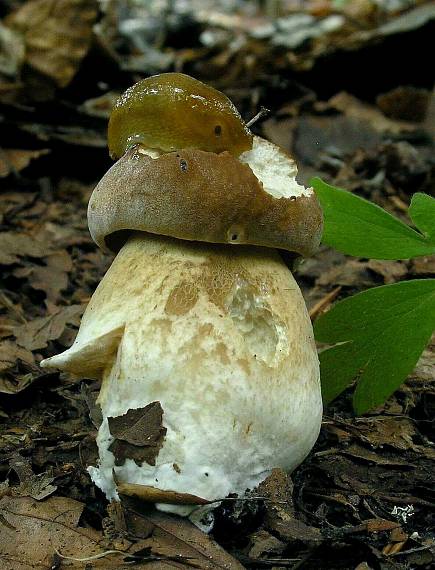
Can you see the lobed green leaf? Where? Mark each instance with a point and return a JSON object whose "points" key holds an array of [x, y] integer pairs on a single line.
{"points": [[382, 333], [422, 213], [357, 227]]}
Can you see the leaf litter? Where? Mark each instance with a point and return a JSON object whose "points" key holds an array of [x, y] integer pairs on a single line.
{"points": [[139, 434], [364, 497]]}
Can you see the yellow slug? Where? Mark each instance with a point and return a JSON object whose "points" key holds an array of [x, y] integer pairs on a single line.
{"points": [[173, 111]]}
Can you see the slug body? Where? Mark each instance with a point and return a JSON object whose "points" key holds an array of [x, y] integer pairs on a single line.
{"points": [[171, 111]]}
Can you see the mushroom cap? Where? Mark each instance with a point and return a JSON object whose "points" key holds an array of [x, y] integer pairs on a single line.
{"points": [[196, 195]]}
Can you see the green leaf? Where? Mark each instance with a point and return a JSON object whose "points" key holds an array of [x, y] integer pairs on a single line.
{"points": [[422, 213], [382, 333], [357, 227]]}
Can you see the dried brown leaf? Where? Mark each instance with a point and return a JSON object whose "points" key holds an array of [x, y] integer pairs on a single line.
{"points": [[12, 359], [360, 452], [352, 273], [405, 103], [53, 278], [354, 108], [57, 35], [70, 134], [15, 160], [90, 397], [12, 52], [36, 334], [13, 202], [265, 544], [398, 534], [10, 353], [14, 245], [88, 451], [280, 516], [179, 539], [397, 432], [343, 134], [153, 495], [101, 106], [40, 528], [423, 265], [138, 434], [391, 271], [379, 525], [38, 486]]}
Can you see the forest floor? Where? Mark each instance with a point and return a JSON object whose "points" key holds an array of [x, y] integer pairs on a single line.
{"points": [[361, 118]]}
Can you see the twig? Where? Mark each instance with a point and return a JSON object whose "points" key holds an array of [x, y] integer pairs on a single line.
{"points": [[261, 113], [412, 550], [321, 305], [88, 558], [126, 554]]}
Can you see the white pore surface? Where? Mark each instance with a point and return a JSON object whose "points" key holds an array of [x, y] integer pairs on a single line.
{"points": [[274, 168], [222, 339]]}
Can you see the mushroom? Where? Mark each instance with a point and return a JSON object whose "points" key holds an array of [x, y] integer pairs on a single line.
{"points": [[198, 331]]}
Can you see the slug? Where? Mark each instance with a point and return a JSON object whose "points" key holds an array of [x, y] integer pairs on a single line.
{"points": [[171, 111]]}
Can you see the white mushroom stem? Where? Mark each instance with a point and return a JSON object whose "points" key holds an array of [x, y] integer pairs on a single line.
{"points": [[220, 336]]}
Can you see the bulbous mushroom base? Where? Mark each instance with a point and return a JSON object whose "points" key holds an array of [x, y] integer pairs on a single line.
{"points": [[213, 348]]}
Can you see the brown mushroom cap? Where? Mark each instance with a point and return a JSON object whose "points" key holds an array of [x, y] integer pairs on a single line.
{"points": [[200, 196]]}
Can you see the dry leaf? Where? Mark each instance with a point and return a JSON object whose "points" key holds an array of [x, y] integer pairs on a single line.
{"points": [[12, 52], [35, 334], [391, 271], [53, 278], [265, 544], [353, 107], [14, 245], [379, 525], [280, 516], [397, 432], [12, 359], [423, 265], [138, 434], [177, 538], [70, 134], [153, 495], [34, 530], [10, 353], [360, 452], [405, 103], [57, 35], [38, 487], [352, 273], [13, 202], [90, 397], [15, 160]]}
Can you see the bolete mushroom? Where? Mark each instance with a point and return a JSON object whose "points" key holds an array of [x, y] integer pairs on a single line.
{"points": [[198, 331]]}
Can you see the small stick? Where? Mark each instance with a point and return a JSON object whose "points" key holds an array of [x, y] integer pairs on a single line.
{"points": [[261, 113], [321, 305], [412, 550]]}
